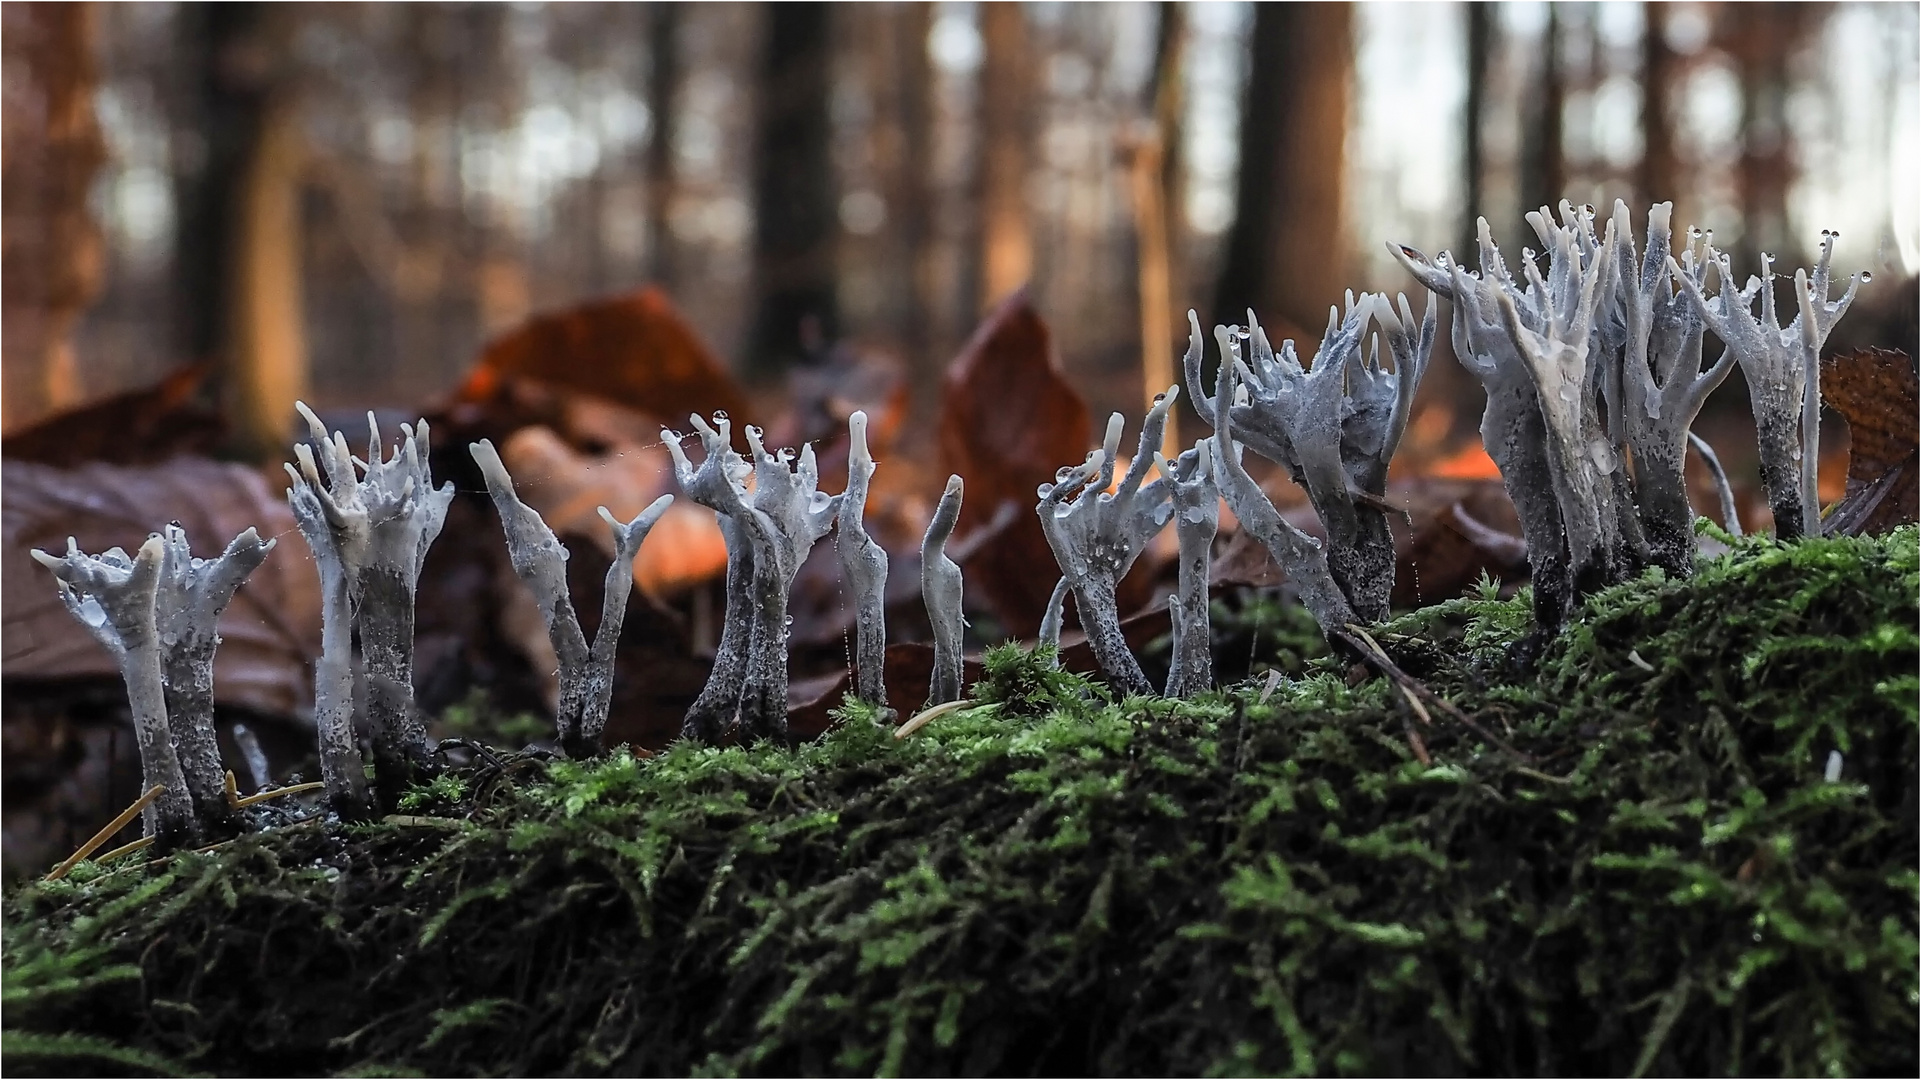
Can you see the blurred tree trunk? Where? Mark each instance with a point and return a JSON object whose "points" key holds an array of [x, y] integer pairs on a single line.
{"points": [[907, 106], [1543, 167], [1480, 37], [1008, 105], [1286, 253], [50, 249], [663, 78], [238, 253], [1763, 39], [795, 207], [1660, 169], [1168, 99]]}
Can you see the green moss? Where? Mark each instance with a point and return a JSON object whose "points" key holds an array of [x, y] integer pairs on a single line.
{"points": [[1054, 881]]}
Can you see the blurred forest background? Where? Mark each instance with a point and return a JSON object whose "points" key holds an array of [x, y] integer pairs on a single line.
{"points": [[559, 226], [352, 199]]}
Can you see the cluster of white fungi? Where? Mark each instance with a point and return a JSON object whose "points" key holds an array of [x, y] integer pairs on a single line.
{"points": [[1593, 370]]}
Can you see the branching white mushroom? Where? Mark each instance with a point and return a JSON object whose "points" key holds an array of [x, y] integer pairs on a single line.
{"points": [[864, 563], [404, 516], [1782, 365], [1299, 555], [1662, 384], [189, 598], [1197, 516], [1097, 537], [114, 597], [540, 561], [720, 485], [334, 520], [786, 515], [940, 589]]}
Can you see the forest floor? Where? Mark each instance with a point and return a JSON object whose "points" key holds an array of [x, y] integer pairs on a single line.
{"points": [[1684, 844]]}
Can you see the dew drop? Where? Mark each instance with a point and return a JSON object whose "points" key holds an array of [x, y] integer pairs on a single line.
{"points": [[720, 414], [1866, 276], [1242, 334]]}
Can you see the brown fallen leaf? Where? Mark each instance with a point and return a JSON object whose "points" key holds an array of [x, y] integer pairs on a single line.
{"points": [[269, 634], [1009, 419], [140, 427], [634, 350], [1875, 391]]}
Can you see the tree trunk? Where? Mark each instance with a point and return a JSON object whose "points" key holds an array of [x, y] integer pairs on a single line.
{"points": [[908, 107], [1285, 254], [1542, 168], [795, 203], [51, 245], [266, 343], [663, 78], [1763, 39], [1007, 108], [1660, 170], [1480, 35]]}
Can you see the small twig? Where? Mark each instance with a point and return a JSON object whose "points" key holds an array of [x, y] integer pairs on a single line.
{"points": [[126, 849], [1373, 653], [444, 744], [1536, 774], [928, 716], [101, 837], [425, 822], [1273, 683], [276, 793]]}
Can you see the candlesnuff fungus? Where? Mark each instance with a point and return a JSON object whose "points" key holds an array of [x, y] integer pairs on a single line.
{"points": [[334, 520], [1097, 537], [1512, 428], [404, 516], [1299, 555], [188, 601], [1197, 516], [780, 522], [1782, 365], [864, 563], [718, 483], [1552, 326], [1334, 427], [940, 590], [540, 561], [114, 598], [1662, 386]]}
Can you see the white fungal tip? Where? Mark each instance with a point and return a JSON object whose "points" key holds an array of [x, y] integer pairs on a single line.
{"points": [[1833, 772]]}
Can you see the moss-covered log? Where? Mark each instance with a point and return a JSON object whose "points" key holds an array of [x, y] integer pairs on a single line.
{"points": [[1704, 864]]}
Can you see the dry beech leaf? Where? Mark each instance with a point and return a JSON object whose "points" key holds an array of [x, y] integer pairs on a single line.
{"points": [[568, 487], [1009, 418], [1875, 391], [140, 427], [634, 350], [269, 634]]}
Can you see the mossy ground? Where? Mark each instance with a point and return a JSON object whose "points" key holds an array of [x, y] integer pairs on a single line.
{"points": [[1056, 882]]}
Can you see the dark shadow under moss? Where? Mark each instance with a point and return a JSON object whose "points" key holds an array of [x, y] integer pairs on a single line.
{"points": [[1705, 863]]}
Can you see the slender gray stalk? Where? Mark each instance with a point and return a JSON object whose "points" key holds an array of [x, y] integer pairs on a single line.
{"points": [[1197, 515], [940, 589], [864, 563]]}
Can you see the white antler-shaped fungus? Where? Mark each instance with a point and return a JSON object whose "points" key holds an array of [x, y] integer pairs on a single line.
{"points": [[940, 590], [1197, 516], [865, 564], [1299, 555], [189, 598], [540, 561], [334, 520], [113, 597], [1782, 365], [1097, 537]]}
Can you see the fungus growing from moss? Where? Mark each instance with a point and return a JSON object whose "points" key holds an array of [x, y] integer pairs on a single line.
{"points": [[1097, 537], [540, 561], [1782, 365], [1197, 516], [780, 522], [864, 563], [940, 590], [114, 598]]}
